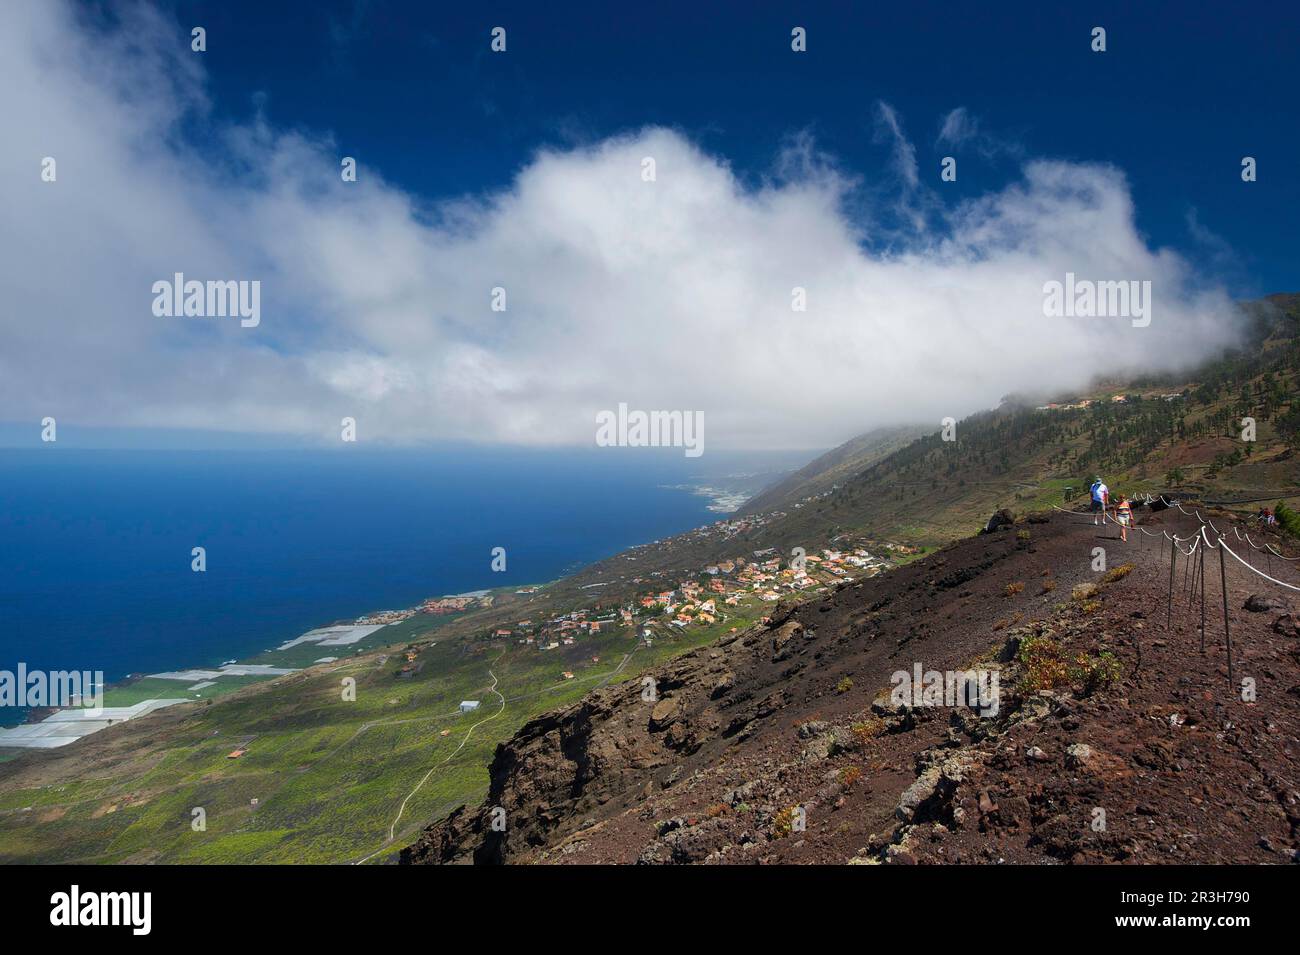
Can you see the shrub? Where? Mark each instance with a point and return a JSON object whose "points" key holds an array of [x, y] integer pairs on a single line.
{"points": [[844, 685], [1117, 573], [1015, 588], [1096, 673], [850, 775], [1049, 586], [868, 729], [1045, 666], [783, 822], [1287, 519], [1083, 592]]}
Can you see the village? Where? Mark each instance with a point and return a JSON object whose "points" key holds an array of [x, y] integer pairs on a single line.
{"points": [[716, 594], [1118, 399]]}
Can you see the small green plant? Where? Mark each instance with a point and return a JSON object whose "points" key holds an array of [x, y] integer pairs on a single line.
{"points": [[783, 822], [868, 729], [844, 685], [1044, 665], [1096, 673], [1287, 519]]}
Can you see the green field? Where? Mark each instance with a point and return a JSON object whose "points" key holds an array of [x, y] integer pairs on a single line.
{"points": [[328, 775]]}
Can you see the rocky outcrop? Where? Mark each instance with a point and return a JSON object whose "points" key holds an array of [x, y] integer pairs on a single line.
{"points": [[618, 743], [1000, 519], [1262, 603]]}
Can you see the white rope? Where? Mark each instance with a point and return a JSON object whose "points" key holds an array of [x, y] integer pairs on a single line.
{"points": [[1200, 535], [1259, 572]]}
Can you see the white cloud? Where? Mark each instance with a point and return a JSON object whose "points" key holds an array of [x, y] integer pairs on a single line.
{"points": [[957, 126], [666, 295]]}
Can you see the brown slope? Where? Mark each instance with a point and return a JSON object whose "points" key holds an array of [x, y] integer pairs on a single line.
{"points": [[746, 730]]}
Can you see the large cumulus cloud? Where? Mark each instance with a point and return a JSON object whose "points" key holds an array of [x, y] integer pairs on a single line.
{"points": [[671, 294]]}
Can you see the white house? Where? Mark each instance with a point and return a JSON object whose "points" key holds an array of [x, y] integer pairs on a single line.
{"points": [[467, 706]]}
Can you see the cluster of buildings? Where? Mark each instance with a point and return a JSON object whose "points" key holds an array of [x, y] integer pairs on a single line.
{"points": [[704, 599], [1114, 399], [457, 603]]}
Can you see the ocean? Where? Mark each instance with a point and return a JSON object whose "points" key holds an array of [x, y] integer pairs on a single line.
{"points": [[95, 545]]}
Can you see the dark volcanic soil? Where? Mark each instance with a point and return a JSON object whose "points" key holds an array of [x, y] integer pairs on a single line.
{"points": [[781, 744]]}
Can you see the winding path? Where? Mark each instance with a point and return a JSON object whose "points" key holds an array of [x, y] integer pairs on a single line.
{"points": [[392, 829]]}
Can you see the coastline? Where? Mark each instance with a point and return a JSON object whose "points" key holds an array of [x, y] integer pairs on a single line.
{"points": [[210, 681]]}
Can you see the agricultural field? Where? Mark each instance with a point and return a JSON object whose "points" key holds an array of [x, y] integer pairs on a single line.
{"points": [[321, 779]]}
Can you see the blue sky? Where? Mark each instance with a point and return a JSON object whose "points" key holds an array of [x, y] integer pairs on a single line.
{"points": [[781, 177], [1183, 91]]}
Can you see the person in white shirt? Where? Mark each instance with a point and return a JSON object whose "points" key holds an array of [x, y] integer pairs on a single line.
{"points": [[1100, 498]]}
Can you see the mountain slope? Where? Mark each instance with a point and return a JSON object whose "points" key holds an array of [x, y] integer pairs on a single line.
{"points": [[821, 474], [780, 744]]}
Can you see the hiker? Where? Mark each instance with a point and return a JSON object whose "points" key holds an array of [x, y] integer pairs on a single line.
{"points": [[1123, 517], [1100, 498]]}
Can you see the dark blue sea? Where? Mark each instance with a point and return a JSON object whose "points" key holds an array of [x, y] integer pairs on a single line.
{"points": [[95, 544]]}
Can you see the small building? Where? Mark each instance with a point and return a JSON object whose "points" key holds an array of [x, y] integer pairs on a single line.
{"points": [[468, 706]]}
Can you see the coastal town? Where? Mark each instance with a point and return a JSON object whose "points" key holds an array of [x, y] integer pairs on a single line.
{"points": [[711, 597]]}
